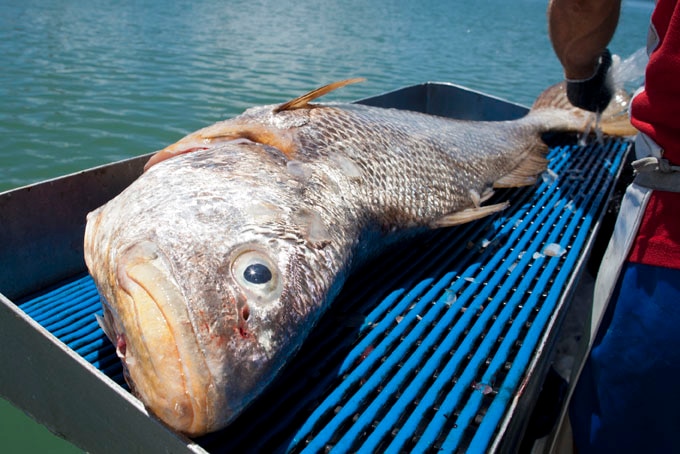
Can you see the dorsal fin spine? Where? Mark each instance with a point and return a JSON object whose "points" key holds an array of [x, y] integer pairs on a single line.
{"points": [[304, 100]]}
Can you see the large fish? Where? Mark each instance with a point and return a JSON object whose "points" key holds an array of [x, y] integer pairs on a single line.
{"points": [[215, 264]]}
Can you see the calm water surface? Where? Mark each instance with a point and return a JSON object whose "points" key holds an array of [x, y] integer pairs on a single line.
{"points": [[89, 82]]}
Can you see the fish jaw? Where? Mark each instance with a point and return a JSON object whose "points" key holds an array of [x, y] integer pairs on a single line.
{"points": [[164, 361], [195, 372]]}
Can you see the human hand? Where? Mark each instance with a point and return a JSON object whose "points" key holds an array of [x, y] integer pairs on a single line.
{"points": [[594, 93]]}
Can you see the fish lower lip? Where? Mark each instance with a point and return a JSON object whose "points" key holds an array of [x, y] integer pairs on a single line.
{"points": [[162, 355]]}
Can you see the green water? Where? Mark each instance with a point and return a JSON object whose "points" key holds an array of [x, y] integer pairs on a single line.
{"points": [[86, 82], [19, 434]]}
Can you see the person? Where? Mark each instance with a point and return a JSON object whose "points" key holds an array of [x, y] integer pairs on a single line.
{"points": [[626, 398]]}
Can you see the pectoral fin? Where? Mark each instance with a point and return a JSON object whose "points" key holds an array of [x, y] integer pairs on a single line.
{"points": [[469, 215], [531, 165]]}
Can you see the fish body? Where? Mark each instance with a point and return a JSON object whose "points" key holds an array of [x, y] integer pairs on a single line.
{"points": [[216, 263]]}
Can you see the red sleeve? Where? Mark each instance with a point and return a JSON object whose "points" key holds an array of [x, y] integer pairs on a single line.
{"points": [[656, 112]]}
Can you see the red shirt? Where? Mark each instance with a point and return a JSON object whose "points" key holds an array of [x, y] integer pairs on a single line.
{"points": [[656, 112]]}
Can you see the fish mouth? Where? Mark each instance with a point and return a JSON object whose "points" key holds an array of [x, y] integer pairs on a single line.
{"points": [[162, 356]]}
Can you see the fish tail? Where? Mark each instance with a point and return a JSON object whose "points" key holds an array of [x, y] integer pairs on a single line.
{"points": [[614, 120], [552, 112]]}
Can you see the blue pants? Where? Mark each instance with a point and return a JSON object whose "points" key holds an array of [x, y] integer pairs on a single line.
{"points": [[628, 396]]}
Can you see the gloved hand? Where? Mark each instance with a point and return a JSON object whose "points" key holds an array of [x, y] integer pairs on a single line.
{"points": [[593, 94]]}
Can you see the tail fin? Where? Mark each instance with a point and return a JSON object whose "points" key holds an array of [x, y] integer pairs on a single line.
{"points": [[614, 120], [552, 111]]}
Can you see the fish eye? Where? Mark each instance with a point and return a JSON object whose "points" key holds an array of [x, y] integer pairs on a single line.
{"points": [[257, 273]]}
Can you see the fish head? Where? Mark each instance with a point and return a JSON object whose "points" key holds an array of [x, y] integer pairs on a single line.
{"points": [[207, 282]]}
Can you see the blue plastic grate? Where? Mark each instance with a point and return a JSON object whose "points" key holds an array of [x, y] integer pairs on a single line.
{"points": [[68, 310], [426, 346]]}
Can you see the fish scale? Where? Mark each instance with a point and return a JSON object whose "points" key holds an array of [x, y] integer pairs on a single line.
{"points": [[403, 173]]}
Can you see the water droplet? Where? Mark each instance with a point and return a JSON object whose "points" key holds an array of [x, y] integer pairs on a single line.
{"points": [[554, 250], [549, 176]]}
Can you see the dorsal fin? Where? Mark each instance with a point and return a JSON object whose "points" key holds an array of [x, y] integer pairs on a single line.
{"points": [[304, 100]]}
